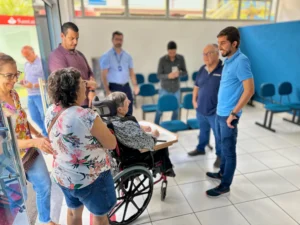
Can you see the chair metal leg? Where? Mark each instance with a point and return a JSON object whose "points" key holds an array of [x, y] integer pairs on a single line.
{"points": [[264, 125], [144, 115], [293, 121]]}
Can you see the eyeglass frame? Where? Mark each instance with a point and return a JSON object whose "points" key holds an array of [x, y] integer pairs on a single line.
{"points": [[209, 53], [11, 76]]}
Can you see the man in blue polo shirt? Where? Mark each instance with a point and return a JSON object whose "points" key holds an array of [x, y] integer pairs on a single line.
{"points": [[236, 89], [205, 99], [116, 70]]}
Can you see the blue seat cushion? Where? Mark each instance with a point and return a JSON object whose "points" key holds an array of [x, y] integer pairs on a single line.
{"points": [[186, 89], [277, 108], [193, 123], [294, 106], [174, 125], [149, 108]]}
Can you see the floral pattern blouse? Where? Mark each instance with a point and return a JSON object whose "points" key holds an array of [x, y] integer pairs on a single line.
{"points": [[19, 118], [78, 156]]}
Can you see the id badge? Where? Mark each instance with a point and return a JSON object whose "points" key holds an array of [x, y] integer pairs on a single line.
{"points": [[120, 68]]}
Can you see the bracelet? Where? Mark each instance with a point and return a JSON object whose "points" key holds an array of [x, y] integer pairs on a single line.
{"points": [[91, 90]]}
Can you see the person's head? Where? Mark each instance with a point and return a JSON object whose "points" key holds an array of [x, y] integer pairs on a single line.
{"points": [[66, 87], [229, 41], [172, 48], [211, 54], [69, 36], [28, 53], [121, 101], [117, 39], [8, 72]]}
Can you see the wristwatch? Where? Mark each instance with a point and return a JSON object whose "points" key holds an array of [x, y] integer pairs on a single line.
{"points": [[233, 114], [91, 90]]}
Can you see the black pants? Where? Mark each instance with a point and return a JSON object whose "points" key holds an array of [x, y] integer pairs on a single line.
{"points": [[127, 90]]}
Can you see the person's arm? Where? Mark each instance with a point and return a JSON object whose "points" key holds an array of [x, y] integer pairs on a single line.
{"points": [[136, 87], [105, 65], [195, 96], [103, 134], [130, 134], [33, 131], [183, 71], [57, 61], [244, 74], [161, 75]]}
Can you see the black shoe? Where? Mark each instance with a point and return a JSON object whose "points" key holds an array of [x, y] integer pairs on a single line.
{"points": [[196, 152], [214, 175], [170, 173], [217, 163], [217, 191]]}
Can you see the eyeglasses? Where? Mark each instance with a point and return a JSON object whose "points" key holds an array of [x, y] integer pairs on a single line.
{"points": [[11, 76], [208, 53]]}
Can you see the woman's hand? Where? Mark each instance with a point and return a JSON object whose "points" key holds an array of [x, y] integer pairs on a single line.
{"points": [[155, 133], [146, 128], [43, 144]]}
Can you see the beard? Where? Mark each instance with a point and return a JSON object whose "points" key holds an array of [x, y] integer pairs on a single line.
{"points": [[118, 45], [226, 53]]}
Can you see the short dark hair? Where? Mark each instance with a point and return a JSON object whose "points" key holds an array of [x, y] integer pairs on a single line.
{"points": [[172, 45], [116, 33], [232, 34], [6, 59], [63, 86], [69, 25]]}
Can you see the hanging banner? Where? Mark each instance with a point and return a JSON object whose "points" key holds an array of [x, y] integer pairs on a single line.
{"points": [[17, 20]]}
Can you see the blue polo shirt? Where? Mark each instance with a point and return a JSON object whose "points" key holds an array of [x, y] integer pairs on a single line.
{"points": [[118, 66], [208, 84], [236, 70]]}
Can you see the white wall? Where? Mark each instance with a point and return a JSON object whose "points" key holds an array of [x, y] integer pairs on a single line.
{"points": [[288, 10], [146, 40]]}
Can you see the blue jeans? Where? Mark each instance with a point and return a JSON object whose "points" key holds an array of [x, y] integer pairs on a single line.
{"points": [[205, 123], [38, 175], [227, 140], [36, 111], [175, 113]]}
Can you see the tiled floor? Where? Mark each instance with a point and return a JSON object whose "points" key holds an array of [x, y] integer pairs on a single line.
{"points": [[265, 190]]}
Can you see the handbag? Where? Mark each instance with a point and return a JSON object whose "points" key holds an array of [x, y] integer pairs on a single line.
{"points": [[30, 156]]}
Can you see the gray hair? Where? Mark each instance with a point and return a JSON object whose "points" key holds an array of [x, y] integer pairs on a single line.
{"points": [[117, 97]]}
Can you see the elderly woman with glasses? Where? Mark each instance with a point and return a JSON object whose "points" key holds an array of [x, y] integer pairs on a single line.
{"points": [[134, 136], [37, 173]]}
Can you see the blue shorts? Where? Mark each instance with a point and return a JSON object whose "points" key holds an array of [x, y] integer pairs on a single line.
{"points": [[99, 197]]}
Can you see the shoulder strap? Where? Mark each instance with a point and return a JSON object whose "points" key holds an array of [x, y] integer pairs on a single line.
{"points": [[54, 119]]}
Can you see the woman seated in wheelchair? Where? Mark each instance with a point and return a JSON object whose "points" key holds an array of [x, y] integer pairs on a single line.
{"points": [[135, 137]]}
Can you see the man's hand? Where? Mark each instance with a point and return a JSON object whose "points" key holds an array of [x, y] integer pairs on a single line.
{"points": [[229, 121], [136, 89], [27, 85], [195, 104], [91, 83], [173, 75], [91, 96], [107, 92], [155, 133]]}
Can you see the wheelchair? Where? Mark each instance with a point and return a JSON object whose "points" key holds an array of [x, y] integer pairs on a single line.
{"points": [[133, 174]]}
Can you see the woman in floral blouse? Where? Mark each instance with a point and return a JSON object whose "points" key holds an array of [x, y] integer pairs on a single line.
{"points": [[79, 139], [37, 174]]}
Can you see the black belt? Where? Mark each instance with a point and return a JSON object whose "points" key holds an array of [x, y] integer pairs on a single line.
{"points": [[122, 85]]}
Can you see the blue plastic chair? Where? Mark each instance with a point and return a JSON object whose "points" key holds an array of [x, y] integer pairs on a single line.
{"points": [[194, 76], [185, 79], [140, 79], [267, 91], [152, 78], [148, 90], [285, 89], [169, 103]]}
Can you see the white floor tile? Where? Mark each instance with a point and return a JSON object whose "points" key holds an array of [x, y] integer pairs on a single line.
{"points": [[274, 142], [293, 154], [255, 131], [175, 204], [291, 173], [264, 212], [207, 165], [243, 190], [221, 216], [252, 145], [195, 193], [188, 173], [248, 164], [290, 203], [292, 137], [270, 183], [272, 159], [181, 156], [190, 219]]}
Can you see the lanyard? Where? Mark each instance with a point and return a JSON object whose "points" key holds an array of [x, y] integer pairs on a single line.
{"points": [[119, 59]]}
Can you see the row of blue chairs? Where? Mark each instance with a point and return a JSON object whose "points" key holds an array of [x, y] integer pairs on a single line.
{"points": [[267, 92]]}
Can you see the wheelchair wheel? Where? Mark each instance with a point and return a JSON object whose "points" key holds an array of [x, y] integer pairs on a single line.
{"points": [[134, 188], [163, 190]]}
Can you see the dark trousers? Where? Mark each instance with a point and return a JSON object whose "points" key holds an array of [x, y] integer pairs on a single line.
{"points": [[227, 140], [127, 90]]}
